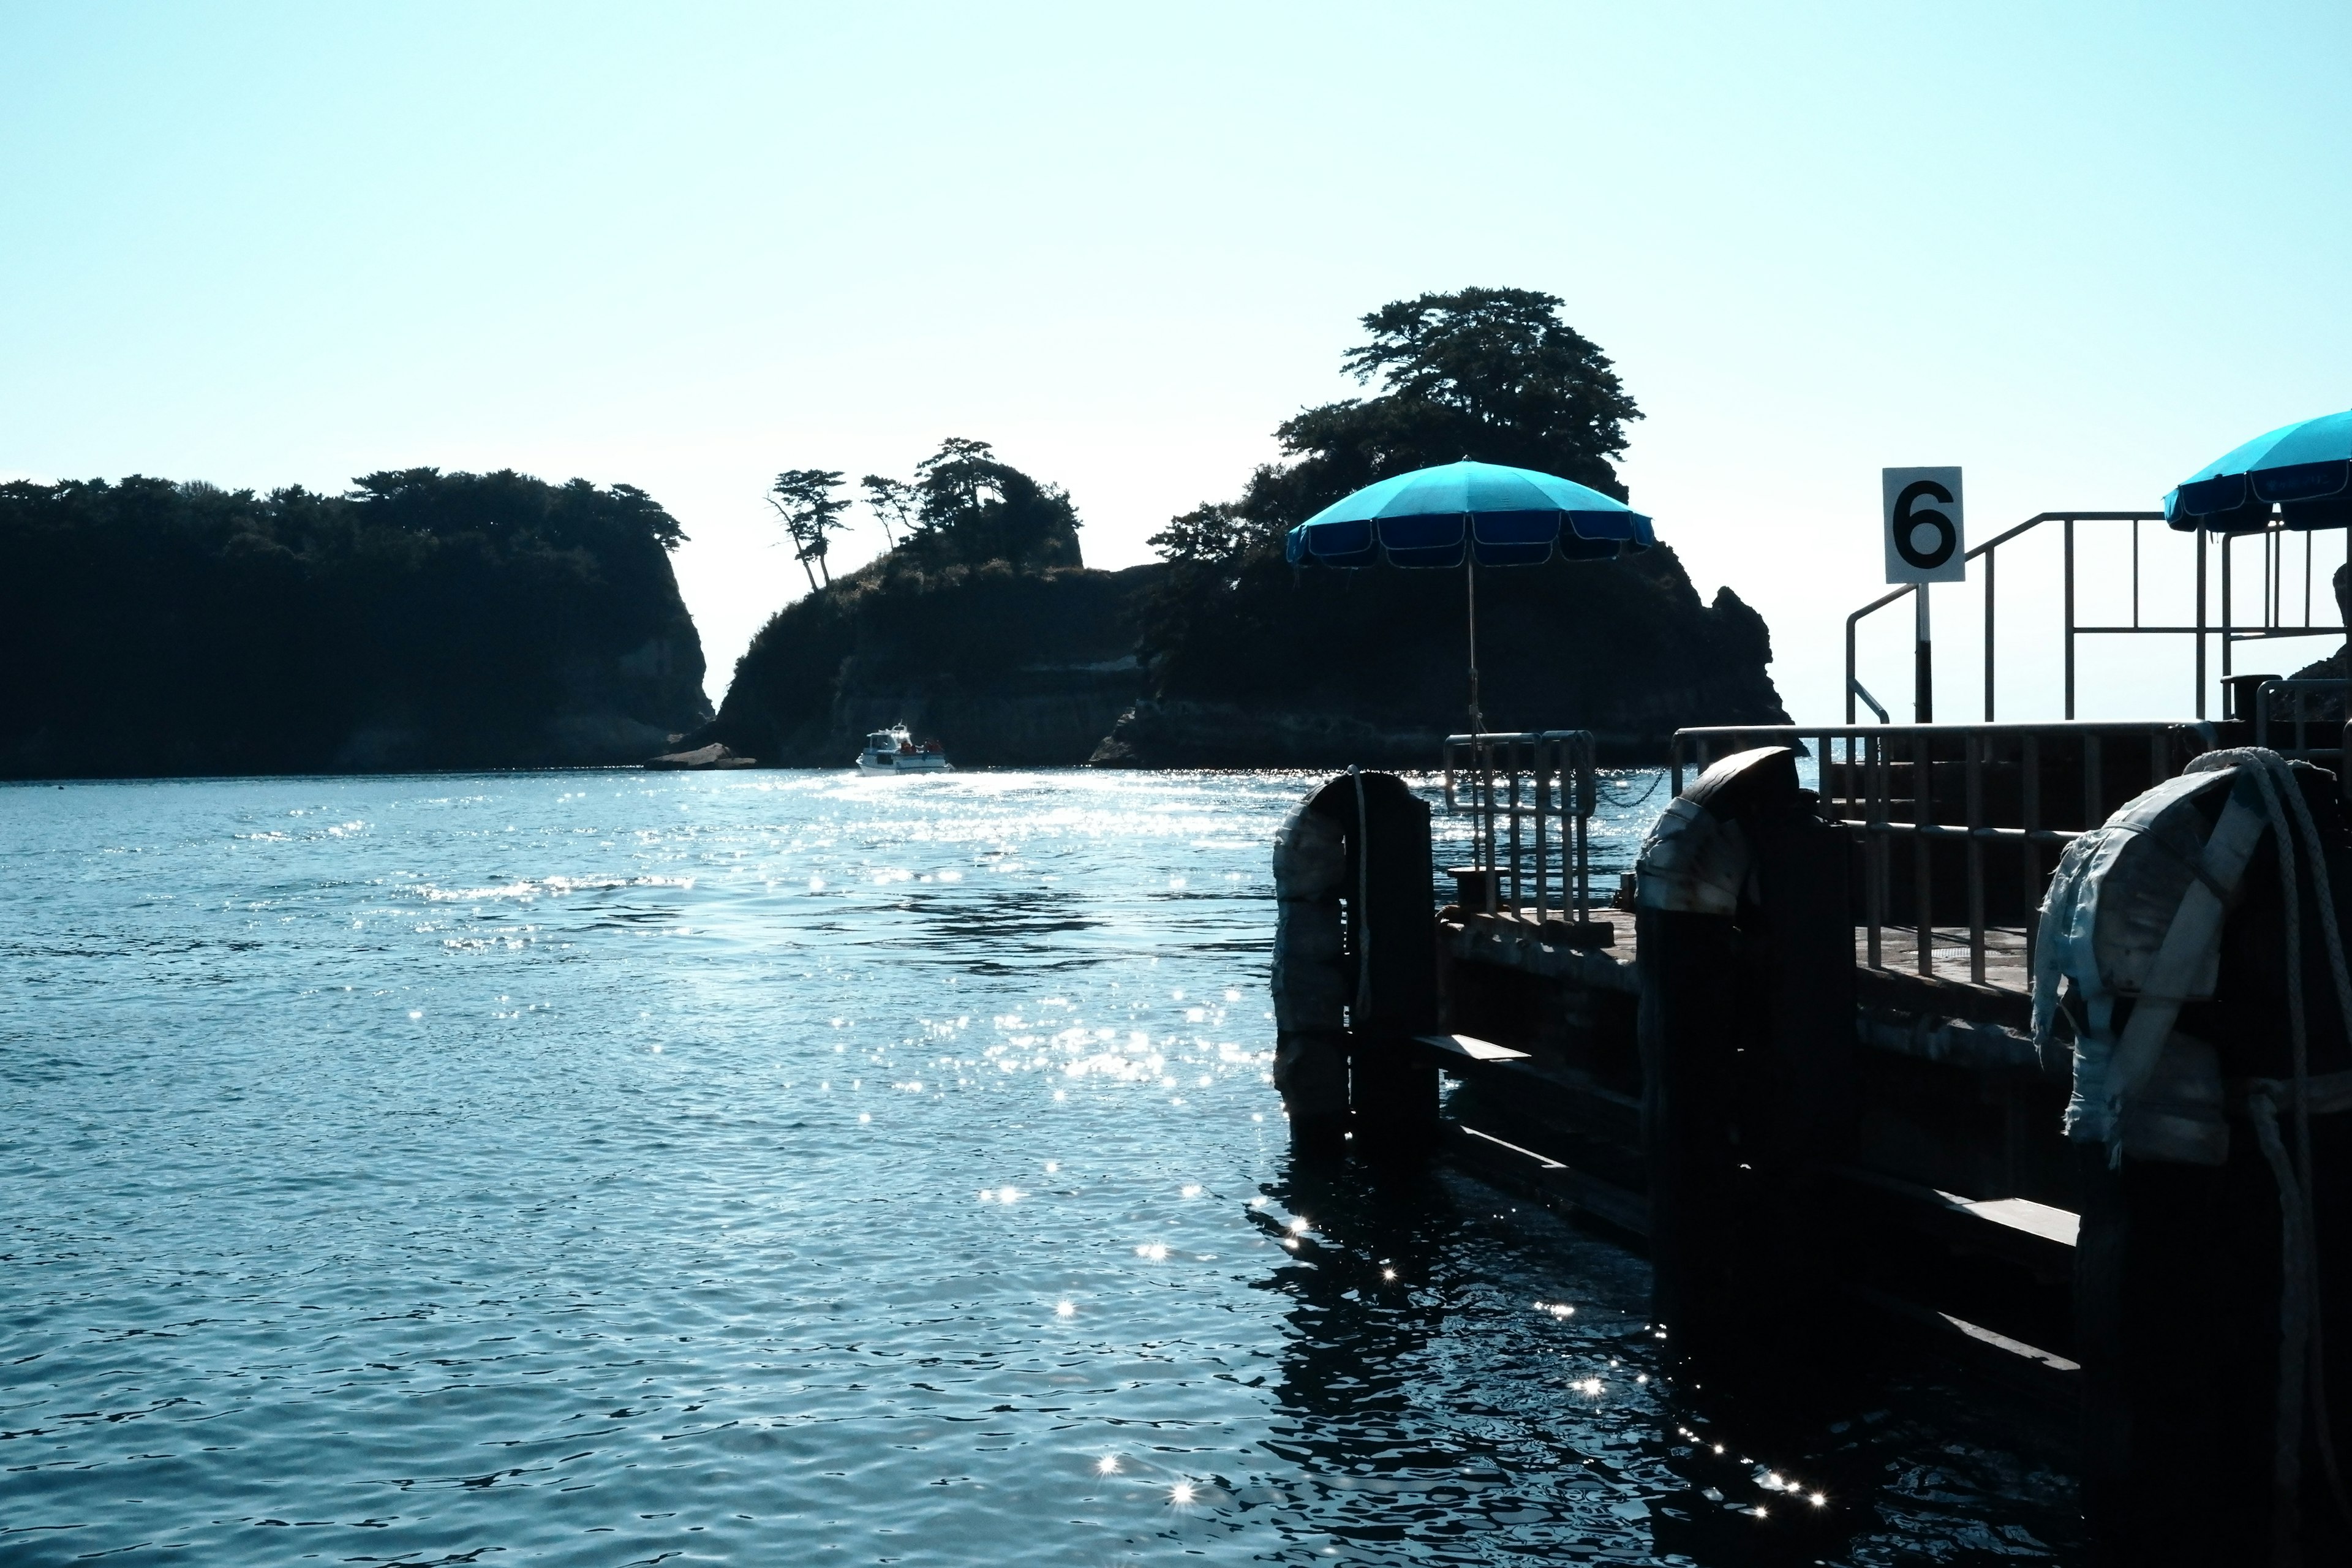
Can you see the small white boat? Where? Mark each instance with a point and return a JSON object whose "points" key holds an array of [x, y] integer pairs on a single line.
{"points": [[894, 751]]}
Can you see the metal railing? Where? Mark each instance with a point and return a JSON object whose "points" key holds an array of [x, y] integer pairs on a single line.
{"points": [[2288, 711], [2275, 621], [1933, 808], [1530, 794], [1991, 596]]}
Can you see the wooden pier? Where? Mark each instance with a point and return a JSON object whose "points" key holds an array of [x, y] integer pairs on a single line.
{"points": [[1958, 1193], [1795, 1061]]}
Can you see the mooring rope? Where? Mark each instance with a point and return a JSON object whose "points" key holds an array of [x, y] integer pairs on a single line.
{"points": [[1363, 898], [2302, 1365]]}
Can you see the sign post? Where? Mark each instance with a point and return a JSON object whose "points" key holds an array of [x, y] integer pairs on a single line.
{"points": [[1922, 529]]}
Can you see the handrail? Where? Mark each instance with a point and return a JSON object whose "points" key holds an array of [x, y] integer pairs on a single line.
{"points": [[2070, 519], [2300, 690], [1957, 794], [1538, 757]]}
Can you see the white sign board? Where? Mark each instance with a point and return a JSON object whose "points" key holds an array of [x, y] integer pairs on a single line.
{"points": [[1922, 526]]}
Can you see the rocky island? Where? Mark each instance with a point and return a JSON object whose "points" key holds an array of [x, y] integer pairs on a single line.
{"points": [[420, 620], [983, 628]]}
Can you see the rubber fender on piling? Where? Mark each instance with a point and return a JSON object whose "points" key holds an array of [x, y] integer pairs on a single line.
{"points": [[1315, 934], [2130, 931], [1310, 991], [1355, 966], [1310, 982], [2192, 957], [1747, 1029], [1310, 854], [1696, 858]]}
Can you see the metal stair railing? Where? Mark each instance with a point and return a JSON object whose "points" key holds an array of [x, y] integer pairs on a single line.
{"points": [[1530, 794], [1995, 791]]}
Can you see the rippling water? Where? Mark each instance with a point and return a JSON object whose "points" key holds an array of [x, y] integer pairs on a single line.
{"points": [[612, 1168]]}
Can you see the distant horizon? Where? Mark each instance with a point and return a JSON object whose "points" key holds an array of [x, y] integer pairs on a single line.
{"points": [[2079, 254]]}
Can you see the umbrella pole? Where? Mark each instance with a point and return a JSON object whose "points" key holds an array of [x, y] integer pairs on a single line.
{"points": [[1478, 744], [1470, 577]]}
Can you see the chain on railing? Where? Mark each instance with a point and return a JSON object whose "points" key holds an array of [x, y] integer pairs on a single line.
{"points": [[1530, 794], [1928, 803]]}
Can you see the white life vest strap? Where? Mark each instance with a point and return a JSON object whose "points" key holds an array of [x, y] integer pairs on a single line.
{"points": [[2194, 934]]}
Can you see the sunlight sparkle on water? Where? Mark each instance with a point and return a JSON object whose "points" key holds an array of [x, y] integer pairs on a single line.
{"points": [[840, 1249]]}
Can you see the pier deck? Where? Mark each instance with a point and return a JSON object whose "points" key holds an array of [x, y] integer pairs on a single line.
{"points": [[2008, 957]]}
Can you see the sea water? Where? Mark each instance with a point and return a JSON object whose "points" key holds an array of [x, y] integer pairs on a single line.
{"points": [[766, 1168]]}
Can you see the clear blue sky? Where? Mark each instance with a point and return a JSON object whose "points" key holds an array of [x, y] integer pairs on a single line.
{"points": [[2078, 249]]}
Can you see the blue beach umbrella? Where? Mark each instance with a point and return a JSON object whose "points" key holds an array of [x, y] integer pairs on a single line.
{"points": [[1469, 515], [1507, 517], [2306, 470]]}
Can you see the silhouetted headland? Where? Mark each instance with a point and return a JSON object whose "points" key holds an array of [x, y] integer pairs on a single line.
{"points": [[420, 620]]}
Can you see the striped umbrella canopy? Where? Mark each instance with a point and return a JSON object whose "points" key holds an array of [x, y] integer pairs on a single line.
{"points": [[2304, 469]]}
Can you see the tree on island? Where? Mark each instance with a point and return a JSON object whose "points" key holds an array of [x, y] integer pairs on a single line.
{"points": [[891, 502], [965, 508], [1490, 374], [1493, 374], [804, 497], [954, 482], [1212, 533]]}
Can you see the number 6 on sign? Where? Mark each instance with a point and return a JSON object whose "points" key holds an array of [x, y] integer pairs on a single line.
{"points": [[1923, 542]]}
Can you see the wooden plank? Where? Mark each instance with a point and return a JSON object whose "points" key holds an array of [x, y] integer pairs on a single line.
{"points": [[1916, 993], [1557, 1185], [2030, 1369], [1564, 1096], [1514, 947], [2050, 1224], [2037, 1234], [1471, 1048], [1956, 1042]]}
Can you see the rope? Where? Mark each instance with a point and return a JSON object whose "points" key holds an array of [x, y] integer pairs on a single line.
{"points": [[1364, 895], [2304, 1092], [2301, 1364]]}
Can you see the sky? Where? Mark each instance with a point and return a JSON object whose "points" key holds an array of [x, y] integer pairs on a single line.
{"points": [[2078, 250]]}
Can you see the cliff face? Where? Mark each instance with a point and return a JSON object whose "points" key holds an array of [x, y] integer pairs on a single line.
{"points": [[1277, 667], [423, 621], [1027, 668]]}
